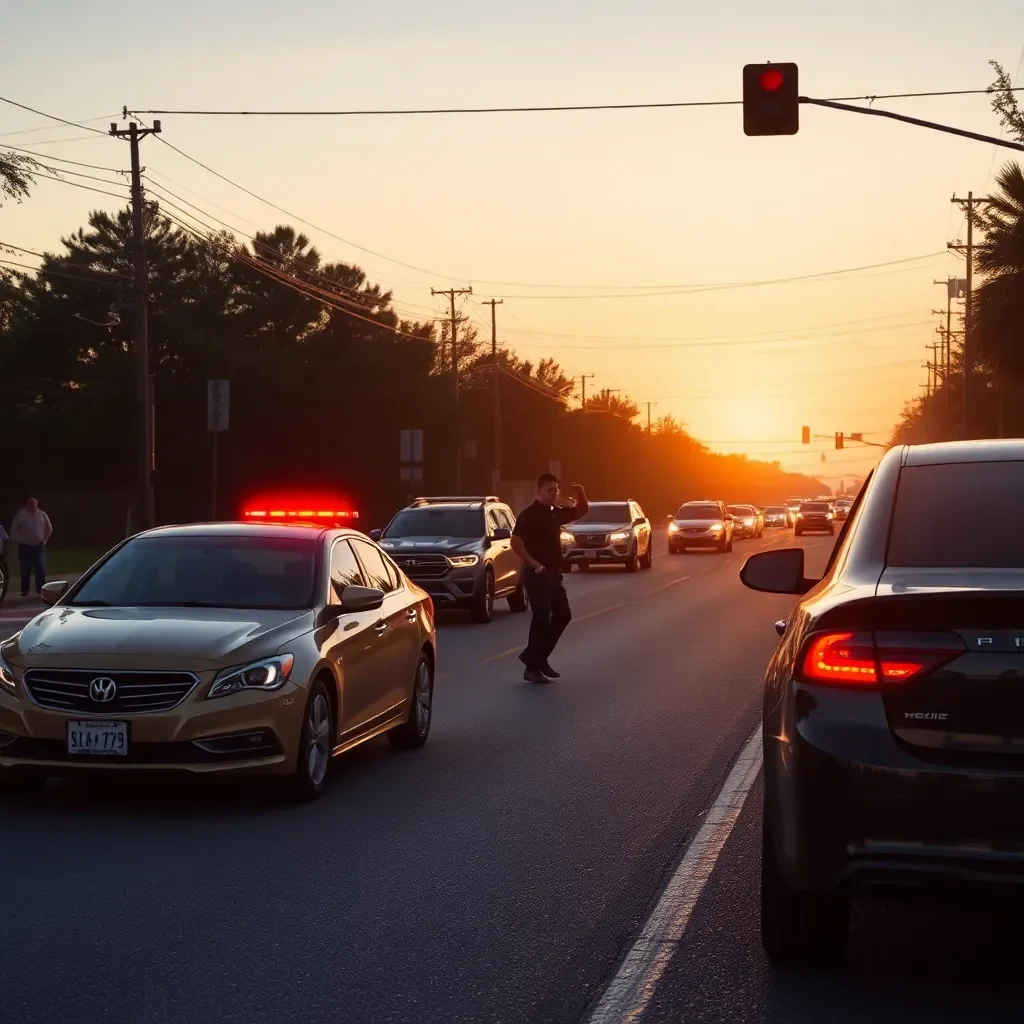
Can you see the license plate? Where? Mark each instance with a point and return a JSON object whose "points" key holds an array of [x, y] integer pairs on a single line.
{"points": [[591, 554], [104, 739]]}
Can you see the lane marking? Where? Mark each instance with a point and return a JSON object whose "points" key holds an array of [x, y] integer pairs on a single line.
{"points": [[630, 991], [658, 590], [600, 611], [501, 654]]}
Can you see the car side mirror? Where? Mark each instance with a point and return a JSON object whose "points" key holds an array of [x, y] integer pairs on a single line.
{"points": [[639, 521], [51, 593], [776, 572], [375, 535], [360, 599], [729, 518], [670, 516], [502, 533]]}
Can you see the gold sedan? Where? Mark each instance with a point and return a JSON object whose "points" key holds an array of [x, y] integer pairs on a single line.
{"points": [[251, 649]]}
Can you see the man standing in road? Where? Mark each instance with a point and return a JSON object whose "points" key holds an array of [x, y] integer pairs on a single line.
{"points": [[537, 541], [31, 531]]}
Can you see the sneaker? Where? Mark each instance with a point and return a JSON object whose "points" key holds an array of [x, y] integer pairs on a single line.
{"points": [[548, 671], [532, 675]]}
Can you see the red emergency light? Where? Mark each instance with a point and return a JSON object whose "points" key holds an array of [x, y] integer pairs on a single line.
{"points": [[306, 509]]}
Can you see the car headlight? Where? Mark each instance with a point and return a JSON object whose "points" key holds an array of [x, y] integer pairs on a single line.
{"points": [[748, 522], [621, 535], [7, 684], [268, 674], [716, 527], [463, 561], [567, 538], [673, 527]]}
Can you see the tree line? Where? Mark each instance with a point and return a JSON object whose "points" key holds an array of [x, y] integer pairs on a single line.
{"points": [[324, 373], [996, 313]]}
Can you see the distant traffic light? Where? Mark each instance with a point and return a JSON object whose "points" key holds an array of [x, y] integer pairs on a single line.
{"points": [[839, 440], [771, 99], [805, 435]]}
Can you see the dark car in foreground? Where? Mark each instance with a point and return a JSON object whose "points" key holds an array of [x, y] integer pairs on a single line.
{"points": [[894, 707], [610, 533], [459, 550]]}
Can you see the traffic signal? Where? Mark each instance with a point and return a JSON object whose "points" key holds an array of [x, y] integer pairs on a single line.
{"points": [[771, 99], [805, 435], [839, 440]]}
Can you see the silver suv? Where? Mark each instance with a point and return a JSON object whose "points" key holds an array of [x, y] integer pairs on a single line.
{"points": [[611, 532], [459, 550]]}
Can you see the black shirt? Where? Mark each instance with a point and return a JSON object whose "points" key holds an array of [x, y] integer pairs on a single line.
{"points": [[540, 527]]}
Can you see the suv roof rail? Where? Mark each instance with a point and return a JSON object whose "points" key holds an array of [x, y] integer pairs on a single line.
{"points": [[460, 499]]}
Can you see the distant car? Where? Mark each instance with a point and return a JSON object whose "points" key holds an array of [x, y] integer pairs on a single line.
{"points": [[700, 524], [841, 509], [611, 532], [459, 550], [776, 516], [893, 723], [792, 508], [814, 517], [252, 649], [747, 521]]}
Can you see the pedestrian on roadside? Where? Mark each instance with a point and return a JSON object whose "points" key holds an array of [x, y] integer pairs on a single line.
{"points": [[537, 541], [31, 531]]}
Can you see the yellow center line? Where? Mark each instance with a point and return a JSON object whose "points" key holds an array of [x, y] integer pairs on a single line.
{"points": [[501, 654], [600, 611]]}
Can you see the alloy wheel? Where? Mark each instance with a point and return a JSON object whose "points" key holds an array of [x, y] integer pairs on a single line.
{"points": [[318, 727]]}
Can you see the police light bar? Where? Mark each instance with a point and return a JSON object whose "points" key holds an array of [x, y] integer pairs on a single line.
{"points": [[305, 511]]}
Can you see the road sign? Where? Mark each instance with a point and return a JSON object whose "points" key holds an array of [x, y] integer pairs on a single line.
{"points": [[412, 446], [218, 402]]}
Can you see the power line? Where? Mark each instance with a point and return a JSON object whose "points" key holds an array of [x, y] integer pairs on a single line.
{"points": [[88, 188], [552, 108], [61, 159], [82, 122], [60, 273], [51, 117]]}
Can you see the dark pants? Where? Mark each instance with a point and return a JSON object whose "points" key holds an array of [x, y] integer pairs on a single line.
{"points": [[551, 614], [30, 558]]}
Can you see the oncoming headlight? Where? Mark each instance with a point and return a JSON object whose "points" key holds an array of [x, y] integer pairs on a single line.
{"points": [[463, 561], [673, 527], [716, 527], [268, 674], [749, 521], [7, 684], [566, 538], [621, 535]]}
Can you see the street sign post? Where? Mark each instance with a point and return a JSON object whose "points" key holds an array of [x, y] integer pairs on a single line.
{"points": [[411, 454], [218, 404]]}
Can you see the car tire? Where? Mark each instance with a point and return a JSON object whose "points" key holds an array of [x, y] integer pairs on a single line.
{"points": [[647, 562], [483, 602], [798, 926], [796, 532], [316, 747], [519, 600], [567, 567], [413, 732], [17, 783], [633, 562], [584, 566]]}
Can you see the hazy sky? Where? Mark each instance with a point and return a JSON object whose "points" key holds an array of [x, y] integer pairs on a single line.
{"points": [[628, 201]]}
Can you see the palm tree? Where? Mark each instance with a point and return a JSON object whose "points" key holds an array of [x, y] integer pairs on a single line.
{"points": [[998, 307]]}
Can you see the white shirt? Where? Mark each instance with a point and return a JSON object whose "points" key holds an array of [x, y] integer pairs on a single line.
{"points": [[31, 527]]}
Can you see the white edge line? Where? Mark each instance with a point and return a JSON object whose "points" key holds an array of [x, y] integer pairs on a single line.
{"points": [[634, 984]]}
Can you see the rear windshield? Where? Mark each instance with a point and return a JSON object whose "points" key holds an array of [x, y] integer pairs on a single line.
{"points": [[699, 512], [606, 512], [814, 506], [437, 522], [965, 514], [205, 572], [774, 510]]}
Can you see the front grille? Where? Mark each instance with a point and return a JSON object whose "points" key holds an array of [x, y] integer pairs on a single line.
{"points": [[694, 530], [422, 567], [137, 693], [592, 540]]}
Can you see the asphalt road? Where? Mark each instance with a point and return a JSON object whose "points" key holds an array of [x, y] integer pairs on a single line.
{"points": [[498, 875]]}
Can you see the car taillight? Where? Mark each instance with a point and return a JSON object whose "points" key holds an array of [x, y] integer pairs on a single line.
{"points": [[864, 659]]}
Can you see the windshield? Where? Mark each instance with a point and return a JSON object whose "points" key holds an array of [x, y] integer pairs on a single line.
{"points": [[606, 512], [739, 510], [774, 510], [437, 522], [699, 512], [814, 506], [206, 572]]}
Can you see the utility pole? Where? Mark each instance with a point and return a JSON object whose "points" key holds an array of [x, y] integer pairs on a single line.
{"points": [[649, 404], [453, 337], [968, 250], [144, 389], [584, 377], [495, 399]]}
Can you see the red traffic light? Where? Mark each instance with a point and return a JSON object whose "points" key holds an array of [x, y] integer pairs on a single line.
{"points": [[771, 80], [771, 99]]}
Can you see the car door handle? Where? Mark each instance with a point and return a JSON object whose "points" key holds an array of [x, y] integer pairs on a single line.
{"points": [[381, 628], [780, 627], [411, 614]]}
